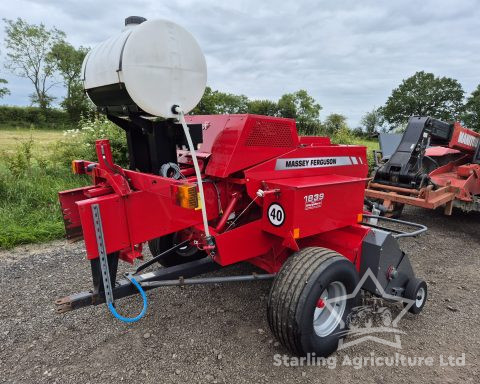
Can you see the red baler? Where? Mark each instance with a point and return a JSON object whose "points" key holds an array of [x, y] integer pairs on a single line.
{"points": [[290, 205]]}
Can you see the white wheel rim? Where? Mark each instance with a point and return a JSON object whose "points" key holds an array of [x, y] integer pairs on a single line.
{"points": [[326, 319], [420, 297]]}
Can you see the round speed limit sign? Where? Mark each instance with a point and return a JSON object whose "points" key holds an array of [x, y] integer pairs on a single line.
{"points": [[276, 214]]}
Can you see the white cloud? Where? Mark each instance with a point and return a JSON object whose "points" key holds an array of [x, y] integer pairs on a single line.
{"points": [[347, 54]]}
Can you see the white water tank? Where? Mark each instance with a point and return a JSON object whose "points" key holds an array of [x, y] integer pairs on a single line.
{"points": [[147, 68]]}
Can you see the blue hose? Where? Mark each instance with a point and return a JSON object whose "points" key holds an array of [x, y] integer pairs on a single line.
{"points": [[141, 314]]}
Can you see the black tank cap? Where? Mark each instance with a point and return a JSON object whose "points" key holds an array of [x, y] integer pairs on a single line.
{"points": [[134, 20]]}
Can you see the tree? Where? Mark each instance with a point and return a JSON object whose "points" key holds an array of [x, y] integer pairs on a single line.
{"points": [[67, 60], [28, 46], [471, 115], [263, 107], [3, 90], [216, 102], [298, 105], [373, 121], [302, 107], [424, 94], [335, 122], [206, 105]]}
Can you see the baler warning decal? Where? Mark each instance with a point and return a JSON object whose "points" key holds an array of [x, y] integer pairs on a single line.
{"points": [[313, 162], [276, 214]]}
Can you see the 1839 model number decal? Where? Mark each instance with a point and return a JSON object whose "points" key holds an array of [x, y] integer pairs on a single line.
{"points": [[313, 200]]}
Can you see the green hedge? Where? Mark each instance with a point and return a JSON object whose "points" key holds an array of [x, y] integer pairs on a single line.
{"points": [[20, 117]]}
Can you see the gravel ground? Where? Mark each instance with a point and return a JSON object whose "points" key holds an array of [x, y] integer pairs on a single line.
{"points": [[219, 333]]}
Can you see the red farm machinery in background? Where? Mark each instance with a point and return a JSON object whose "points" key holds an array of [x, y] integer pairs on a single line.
{"points": [[291, 206], [436, 164]]}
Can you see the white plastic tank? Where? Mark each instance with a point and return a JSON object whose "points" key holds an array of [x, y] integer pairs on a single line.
{"points": [[147, 68]]}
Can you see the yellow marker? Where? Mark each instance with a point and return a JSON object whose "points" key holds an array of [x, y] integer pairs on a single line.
{"points": [[187, 196], [296, 233], [359, 217], [199, 202]]}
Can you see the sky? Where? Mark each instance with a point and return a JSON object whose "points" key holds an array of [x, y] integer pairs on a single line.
{"points": [[348, 54]]}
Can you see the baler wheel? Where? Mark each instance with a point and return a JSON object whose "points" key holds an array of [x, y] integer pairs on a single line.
{"points": [[416, 290], [180, 256], [310, 299]]}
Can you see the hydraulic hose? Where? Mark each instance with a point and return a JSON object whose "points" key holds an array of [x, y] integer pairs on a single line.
{"points": [[181, 119], [144, 309]]}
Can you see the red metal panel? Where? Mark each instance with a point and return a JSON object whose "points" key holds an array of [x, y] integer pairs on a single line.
{"points": [[71, 216], [242, 141], [131, 220], [347, 241], [224, 147], [351, 161], [448, 175], [142, 215], [464, 139], [151, 215], [114, 223], [314, 204], [440, 151], [245, 242]]}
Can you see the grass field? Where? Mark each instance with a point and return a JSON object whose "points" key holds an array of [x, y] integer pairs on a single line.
{"points": [[29, 209], [370, 144], [43, 139]]}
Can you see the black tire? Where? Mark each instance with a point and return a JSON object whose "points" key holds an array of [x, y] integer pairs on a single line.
{"points": [[397, 211], [180, 256], [413, 291], [294, 295]]}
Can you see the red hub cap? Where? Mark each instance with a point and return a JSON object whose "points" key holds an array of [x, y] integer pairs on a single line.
{"points": [[320, 303]]}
